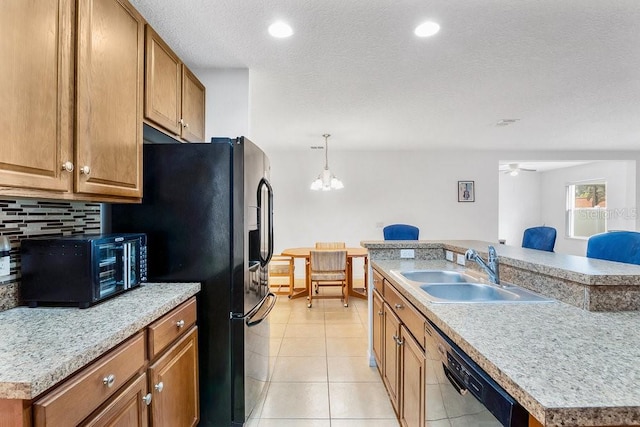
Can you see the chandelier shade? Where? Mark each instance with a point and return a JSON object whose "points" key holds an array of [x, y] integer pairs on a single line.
{"points": [[326, 180]]}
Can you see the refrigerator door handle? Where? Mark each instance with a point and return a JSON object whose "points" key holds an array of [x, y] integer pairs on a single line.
{"points": [[249, 315], [251, 321], [264, 183]]}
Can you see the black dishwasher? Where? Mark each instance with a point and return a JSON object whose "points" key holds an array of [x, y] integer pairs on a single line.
{"points": [[459, 391]]}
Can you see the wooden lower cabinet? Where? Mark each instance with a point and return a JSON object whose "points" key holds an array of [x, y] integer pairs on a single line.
{"points": [[127, 409], [74, 400], [391, 356], [412, 380], [173, 382], [128, 386], [378, 327]]}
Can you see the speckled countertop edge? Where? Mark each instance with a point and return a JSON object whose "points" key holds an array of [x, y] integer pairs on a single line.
{"points": [[40, 347], [568, 267], [566, 366]]}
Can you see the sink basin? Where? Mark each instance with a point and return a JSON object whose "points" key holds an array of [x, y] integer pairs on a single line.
{"points": [[435, 276], [479, 293]]}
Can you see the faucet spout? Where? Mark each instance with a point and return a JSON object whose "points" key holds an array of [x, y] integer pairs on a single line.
{"points": [[491, 267]]}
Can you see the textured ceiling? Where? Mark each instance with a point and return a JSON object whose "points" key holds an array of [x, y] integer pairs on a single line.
{"points": [[569, 70]]}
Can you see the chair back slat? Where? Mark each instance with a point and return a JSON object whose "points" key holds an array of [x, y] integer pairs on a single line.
{"points": [[323, 261], [400, 232], [330, 245], [620, 246]]}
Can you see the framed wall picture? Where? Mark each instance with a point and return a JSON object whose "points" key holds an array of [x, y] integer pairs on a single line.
{"points": [[466, 191]]}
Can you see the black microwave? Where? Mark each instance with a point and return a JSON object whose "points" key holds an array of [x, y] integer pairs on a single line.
{"points": [[81, 270]]}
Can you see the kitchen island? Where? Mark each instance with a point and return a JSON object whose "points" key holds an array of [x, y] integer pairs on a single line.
{"points": [[567, 366], [41, 347]]}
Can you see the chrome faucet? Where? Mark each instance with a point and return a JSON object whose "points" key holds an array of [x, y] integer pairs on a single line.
{"points": [[491, 267]]}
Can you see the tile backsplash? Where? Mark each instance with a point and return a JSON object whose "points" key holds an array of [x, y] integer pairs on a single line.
{"points": [[24, 218]]}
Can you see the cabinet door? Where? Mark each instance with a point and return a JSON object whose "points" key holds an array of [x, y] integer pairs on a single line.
{"points": [[127, 409], [193, 101], [391, 356], [378, 328], [174, 385], [412, 371], [109, 98], [36, 92], [163, 84]]}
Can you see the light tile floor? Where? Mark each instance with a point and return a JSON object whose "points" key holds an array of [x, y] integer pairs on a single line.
{"points": [[320, 376]]}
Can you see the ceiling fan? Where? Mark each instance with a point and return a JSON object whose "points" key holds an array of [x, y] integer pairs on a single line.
{"points": [[514, 169]]}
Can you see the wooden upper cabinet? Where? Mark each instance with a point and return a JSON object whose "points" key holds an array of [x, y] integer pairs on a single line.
{"points": [[36, 92], [174, 97], [193, 102], [163, 90], [109, 91]]}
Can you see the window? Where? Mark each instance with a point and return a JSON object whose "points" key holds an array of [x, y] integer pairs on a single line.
{"points": [[586, 212]]}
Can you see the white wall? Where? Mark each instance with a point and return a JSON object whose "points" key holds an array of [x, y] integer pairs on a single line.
{"points": [[620, 177], [520, 205], [227, 98], [418, 188]]}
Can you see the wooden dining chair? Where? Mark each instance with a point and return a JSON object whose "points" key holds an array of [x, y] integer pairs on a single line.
{"points": [[329, 268], [329, 245], [281, 267]]}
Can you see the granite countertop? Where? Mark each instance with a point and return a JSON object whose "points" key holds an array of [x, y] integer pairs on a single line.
{"points": [[579, 269], [565, 365], [40, 347]]}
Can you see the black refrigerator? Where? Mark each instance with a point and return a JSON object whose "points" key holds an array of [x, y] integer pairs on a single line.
{"points": [[207, 210]]}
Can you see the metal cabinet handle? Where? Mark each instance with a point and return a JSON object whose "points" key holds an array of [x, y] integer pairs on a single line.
{"points": [[86, 170], [67, 167], [159, 386], [380, 313], [109, 380], [147, 399], [399, 306], [186, 125], [180, 323]]}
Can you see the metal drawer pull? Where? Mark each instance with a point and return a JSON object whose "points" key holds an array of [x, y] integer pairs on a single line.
{"points": [[380, 313], [109, 380], [67, 167], [399, 306], [180, 323], [147, 399], [398, 340], [159, 386], [85, 170]]}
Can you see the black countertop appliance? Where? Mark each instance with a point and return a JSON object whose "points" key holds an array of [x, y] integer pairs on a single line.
{"points": [[207, 210]]}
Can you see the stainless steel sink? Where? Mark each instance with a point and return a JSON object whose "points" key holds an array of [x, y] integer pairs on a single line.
{"points": [[479, 293], [435, 276], [446, 286]]}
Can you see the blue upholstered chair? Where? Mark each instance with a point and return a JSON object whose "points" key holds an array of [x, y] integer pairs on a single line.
{"points": [[541, 238], [621, 246], [400, 232]]}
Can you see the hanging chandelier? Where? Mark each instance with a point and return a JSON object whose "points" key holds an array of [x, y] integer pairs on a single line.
{"points": [[326, 181]]}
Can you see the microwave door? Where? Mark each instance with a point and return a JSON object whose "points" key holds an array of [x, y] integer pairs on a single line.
{"points": [[111, 269]]}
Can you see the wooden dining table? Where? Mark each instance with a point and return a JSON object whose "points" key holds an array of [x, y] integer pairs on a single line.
{"points": [[352, 253]]}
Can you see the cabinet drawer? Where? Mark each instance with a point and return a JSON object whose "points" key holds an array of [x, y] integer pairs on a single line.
{"points": [[411, 317], [378, 282], [74, 400], [165, 330]]}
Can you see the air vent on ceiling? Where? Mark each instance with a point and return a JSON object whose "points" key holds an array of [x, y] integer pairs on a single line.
{"points": [[506, 122]]}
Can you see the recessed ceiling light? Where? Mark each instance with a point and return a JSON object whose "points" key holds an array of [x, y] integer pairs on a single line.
{"points": [[426, 29], [280, 30]]}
